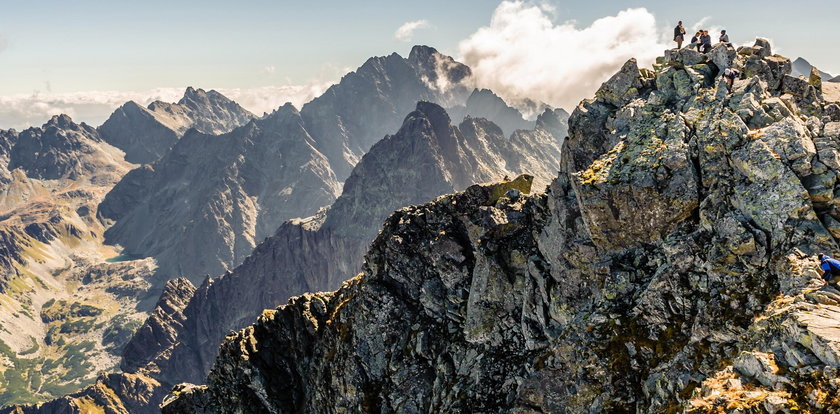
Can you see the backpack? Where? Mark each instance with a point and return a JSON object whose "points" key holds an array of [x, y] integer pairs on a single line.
{"points": [[832, 267]]}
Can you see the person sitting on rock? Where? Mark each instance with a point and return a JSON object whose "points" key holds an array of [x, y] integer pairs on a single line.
{"points": [[705, 42], [830, 267], [724, 38], [695, 41], [679, 34], [730, 75]]}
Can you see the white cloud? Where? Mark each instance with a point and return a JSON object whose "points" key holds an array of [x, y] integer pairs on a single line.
{"points": [[269, 98], [269, 69], [94, 107], [700, 25], [405, 32], [25, 110], [524, 54]]}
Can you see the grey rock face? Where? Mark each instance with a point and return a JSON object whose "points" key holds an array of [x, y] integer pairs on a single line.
{"points": [[203, 207], [621, 87], [141, 133], [159, 332], [490, 300], [146, 134]]}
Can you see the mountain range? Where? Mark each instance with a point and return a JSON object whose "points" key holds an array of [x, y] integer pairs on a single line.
{"points": [[223, 195], [212, 197], [670, 267]]}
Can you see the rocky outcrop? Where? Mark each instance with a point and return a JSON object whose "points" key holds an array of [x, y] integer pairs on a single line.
{"points": [[121, 393], [146, 134], [492, 300], [203, 207]]}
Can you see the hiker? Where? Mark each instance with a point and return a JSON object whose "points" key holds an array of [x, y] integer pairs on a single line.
{"points": [[730, 75], [830, 267], [724, 38], [695, 41], [705, 42], [679, 34]]}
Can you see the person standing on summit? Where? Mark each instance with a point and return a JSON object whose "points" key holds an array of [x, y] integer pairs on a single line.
{"points": [[679, 34]]}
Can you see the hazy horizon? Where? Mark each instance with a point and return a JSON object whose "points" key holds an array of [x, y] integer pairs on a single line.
{"points": [[87, 58]]}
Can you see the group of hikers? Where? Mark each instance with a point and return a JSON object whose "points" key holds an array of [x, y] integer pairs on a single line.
{"points": [[702, 41]]}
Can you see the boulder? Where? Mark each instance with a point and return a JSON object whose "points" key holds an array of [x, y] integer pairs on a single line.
{"points": [[622, 87], [764, 46], [722, 55]]}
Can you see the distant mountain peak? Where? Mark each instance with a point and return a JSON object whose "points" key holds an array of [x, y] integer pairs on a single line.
{"points": [[802, 67], [62, 121]]}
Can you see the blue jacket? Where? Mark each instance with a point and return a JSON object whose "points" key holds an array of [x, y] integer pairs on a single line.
{"points": [[831, 268]]}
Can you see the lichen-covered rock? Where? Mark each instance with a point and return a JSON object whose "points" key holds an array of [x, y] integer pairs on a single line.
{"points": [[723, 55], [621, 87], [671, 267]]}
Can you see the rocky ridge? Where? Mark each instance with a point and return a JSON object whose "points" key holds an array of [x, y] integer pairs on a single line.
{"points": [[146, 134], [669, 268], [371, 101]]}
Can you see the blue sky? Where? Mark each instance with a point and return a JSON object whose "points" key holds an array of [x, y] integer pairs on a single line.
{"points": [[69, 47]]}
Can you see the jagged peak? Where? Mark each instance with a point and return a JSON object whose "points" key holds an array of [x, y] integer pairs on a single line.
{"points": [[192, 94], [133, 106], [62, 121], [422, 52], [436, 115]]}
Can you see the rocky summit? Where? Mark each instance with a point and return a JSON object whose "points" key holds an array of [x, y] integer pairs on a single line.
{"points": [[670, 267]]}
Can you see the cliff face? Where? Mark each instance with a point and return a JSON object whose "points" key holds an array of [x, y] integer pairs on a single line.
{"points": [[670, 267]]}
